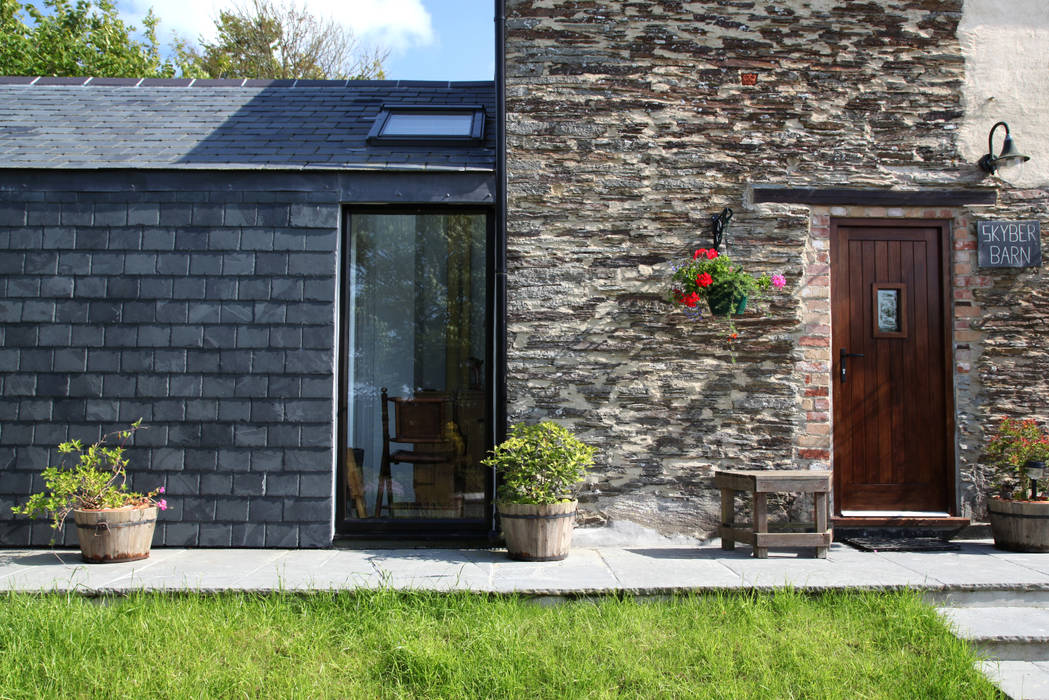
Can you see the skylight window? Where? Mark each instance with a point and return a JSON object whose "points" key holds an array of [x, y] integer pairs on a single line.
{"points": [[427, 123]]}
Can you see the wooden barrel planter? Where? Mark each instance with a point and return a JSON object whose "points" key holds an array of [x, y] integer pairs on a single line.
{"points": [[115, 535], [1020, 526], [538, 532]]}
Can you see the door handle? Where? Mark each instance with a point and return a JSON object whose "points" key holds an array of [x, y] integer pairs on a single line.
{"points": [[843, 356]]}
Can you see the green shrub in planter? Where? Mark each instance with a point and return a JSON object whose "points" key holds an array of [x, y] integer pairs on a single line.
{"points": [[538, 468], [540, 464]]}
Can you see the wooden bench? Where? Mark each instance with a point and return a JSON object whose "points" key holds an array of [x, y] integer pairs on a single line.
{"points": [[760, 484]]}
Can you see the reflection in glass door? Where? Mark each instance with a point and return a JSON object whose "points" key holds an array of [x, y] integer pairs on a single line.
{"points": [[415, 414]]}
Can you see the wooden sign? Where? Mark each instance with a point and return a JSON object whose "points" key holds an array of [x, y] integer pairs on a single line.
{"points": [[1009, 243]]}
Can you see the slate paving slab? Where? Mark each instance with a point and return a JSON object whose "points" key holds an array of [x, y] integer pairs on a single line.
{"points": [[968, 567], [65, 570], [678, 569], [1000, 623], [843, 568], [439, 569], [204, 569], [317, 569], [1020, 680], [584, 571]]}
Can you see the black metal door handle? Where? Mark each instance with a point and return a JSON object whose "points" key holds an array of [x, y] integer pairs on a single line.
{"points": [[843, 355]]}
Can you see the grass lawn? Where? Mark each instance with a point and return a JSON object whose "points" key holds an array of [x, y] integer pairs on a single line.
{"points": [[425, 645]]}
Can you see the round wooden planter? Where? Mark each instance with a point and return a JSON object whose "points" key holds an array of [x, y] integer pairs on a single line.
{"points": [[1020, 526], [116, 534], [538, 532]]}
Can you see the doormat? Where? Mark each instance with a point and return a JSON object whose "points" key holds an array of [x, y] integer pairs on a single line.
{"points": [[899, 544]]}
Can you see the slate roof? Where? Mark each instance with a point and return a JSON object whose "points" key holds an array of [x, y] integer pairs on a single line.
{"points": [[68, 123]]}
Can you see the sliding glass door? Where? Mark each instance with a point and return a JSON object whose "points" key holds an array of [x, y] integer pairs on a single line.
{"points": [[417, 351]]}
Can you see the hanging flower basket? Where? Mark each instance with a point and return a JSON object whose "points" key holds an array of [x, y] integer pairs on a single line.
{"points": [[725, 301]]}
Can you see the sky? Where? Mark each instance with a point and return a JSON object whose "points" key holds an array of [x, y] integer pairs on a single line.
{"points": [[427, 39]]}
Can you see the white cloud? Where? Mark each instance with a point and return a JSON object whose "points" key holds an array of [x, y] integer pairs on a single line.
{"points": [[394, 24]]}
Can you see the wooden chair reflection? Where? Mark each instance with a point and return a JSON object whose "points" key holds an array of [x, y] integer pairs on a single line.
{"points": [[421, 422], [354, 482]]}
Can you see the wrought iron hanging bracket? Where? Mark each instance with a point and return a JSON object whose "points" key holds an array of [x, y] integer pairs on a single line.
{"points": [[718, 224]]}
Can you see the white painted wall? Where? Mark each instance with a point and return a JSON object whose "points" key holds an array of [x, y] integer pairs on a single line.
{"points": [[1006, 49]]}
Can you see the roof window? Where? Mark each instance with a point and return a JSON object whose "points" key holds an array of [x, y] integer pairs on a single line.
{"points": [[428, 123]]}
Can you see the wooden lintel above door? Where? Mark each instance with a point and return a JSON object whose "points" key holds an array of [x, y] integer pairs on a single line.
{"points": [[830, 196]]}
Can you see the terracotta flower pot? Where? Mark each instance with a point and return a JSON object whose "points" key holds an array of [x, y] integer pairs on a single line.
{"points": [[538, 532], [1019, 526], [115, 534]]}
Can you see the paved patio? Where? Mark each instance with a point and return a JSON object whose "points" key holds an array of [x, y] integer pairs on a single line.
{"points": [[592, 568]]}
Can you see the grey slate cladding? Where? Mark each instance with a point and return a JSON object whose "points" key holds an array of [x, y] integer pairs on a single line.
{"points": [[302, 125], [226, 352]]}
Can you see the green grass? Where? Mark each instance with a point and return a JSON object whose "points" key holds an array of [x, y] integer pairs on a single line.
{"points": [[389, 644]]}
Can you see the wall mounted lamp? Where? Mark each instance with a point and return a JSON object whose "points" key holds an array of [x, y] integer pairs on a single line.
{"points": [[1009, 155]]}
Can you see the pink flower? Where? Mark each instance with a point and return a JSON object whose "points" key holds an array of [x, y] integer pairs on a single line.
{"points": [[778, 281], [160, 489], [162, 504]]}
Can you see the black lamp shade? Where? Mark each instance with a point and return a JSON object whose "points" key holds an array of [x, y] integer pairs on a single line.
{"points": [[1010, 155]]}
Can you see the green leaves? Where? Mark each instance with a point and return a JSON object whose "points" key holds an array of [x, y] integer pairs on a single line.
{"points": [[97, 480], [1014, 444], [539, 463], [265, 39], [85, 39]]}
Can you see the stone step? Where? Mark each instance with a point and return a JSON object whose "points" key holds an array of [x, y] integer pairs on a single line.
{"points": [[987, 597], [1019, 680], [1009, 633]]}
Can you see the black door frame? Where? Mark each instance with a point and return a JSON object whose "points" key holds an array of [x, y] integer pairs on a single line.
{"points": [[495, 385]]}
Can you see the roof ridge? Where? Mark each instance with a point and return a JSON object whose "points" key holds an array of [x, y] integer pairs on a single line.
{"points": [[92, 81]]}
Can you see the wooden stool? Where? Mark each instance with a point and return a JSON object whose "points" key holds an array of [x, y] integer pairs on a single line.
{"points": [[760, 484]]}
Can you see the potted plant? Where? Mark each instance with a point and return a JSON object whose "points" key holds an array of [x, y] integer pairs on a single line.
{"points": [[724, 286], [1019, 516], [716, 280], [538, 467], [113, 523]]}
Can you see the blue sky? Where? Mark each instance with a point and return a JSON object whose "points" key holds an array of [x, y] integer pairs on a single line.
{"points": [[463, 46], [428, 39]]}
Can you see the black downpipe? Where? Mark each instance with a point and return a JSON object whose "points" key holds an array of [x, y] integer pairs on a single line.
{"points": [[500, 228], [499, 330]]}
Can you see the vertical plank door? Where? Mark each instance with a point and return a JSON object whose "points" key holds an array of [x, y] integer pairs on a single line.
{"points": [[893, 449]]}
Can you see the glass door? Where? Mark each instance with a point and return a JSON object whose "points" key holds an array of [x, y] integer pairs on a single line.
{"points": [[415, 412]]}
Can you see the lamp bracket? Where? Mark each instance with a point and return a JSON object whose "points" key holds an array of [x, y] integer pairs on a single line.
{"points": [[718, 224]]}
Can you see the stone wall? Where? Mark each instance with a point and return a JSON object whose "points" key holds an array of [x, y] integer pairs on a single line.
{"points": [[628, 125], [203, 304]]}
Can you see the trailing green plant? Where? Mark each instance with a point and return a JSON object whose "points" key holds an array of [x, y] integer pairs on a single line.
{"points": [[1015, 443], [96, 481], [539, 464]]}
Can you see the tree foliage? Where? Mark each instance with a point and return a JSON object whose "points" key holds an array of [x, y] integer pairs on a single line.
{"points": [[281, 41], [83, 39]]}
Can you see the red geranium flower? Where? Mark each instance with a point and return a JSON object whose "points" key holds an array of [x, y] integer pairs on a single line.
{"points": [[704, 279], [711, 254], [701, 251]]}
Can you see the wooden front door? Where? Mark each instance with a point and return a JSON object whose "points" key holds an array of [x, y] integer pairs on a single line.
{"points": [[893, 411]]}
